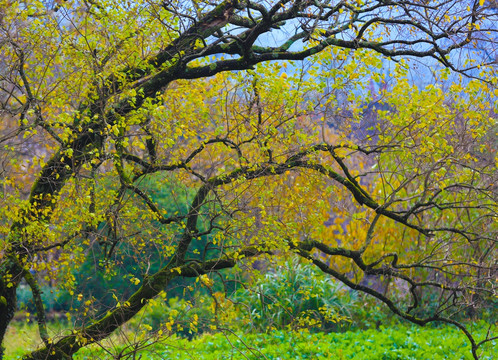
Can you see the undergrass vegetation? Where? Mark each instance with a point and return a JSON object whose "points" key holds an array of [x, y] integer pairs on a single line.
{"points": [[403, 342], [290, 312]]}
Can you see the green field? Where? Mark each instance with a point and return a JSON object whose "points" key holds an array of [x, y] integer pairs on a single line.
{"points": [[400, 343]]}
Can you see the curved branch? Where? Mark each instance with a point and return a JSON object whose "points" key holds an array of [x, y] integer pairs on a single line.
{"points": [[151, 287], [390, 304], [40, 310]]}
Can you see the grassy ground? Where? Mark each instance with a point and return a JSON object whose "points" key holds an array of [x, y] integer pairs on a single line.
{"points": [[400, 343], [23, 336]]}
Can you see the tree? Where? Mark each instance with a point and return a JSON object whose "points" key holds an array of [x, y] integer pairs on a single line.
{"points": [[99, 99]]}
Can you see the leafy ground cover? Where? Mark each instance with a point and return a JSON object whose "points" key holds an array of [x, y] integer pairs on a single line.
{"points": [[394, 343]]}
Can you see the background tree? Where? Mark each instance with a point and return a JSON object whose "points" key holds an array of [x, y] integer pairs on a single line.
{"points": [[102, 99]]}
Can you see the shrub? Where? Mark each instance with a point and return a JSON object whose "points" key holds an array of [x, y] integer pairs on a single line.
{"points": [[294, 296], [53, 300]]}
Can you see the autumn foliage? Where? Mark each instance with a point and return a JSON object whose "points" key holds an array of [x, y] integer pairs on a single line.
{"points": [[173, 140]]}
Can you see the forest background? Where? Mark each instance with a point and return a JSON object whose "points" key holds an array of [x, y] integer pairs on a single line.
{"points": [[178, 168]]}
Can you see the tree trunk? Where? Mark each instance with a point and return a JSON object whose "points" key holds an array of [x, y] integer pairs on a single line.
{"points": [[10, 277]]}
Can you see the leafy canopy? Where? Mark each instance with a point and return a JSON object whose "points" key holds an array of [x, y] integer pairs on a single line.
{"points": [[168, 140]]}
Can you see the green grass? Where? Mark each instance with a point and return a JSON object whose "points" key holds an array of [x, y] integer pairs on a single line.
{"points": [[399, 343], [23, 336]]}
